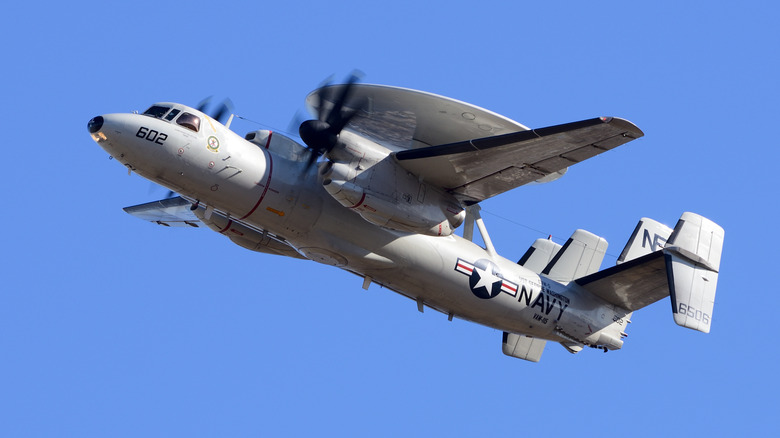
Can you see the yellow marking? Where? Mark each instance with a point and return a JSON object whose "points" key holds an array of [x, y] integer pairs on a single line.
{"points": [[212, 126], [273, 210]]}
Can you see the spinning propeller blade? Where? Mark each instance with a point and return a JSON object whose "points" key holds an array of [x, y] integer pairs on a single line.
{"points": [[224, 109], [321, 135]]}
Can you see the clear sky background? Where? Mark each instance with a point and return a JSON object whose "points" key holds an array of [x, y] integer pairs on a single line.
{"points": [[111, 326]]}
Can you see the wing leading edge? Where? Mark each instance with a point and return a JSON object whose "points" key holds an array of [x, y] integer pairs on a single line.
{"points": [[475, 170]]}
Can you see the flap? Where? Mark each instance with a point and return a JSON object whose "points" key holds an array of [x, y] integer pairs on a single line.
{"points": [[478, 169]]}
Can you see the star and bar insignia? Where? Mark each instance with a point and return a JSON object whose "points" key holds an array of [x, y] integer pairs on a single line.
{"points": [[485, 279]]}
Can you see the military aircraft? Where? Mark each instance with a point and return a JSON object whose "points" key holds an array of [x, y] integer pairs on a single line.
{"points": [[384, 178]]}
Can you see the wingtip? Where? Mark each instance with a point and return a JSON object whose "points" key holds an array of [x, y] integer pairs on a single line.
{"points": [[631, 129]]}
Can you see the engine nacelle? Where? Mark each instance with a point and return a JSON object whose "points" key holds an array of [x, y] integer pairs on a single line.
{"points": [[244, 236], [381, 210]]}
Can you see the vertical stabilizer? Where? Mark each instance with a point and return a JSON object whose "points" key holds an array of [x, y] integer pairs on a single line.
{"points": [[649, 236], [523, 347], [539, 255], [692, 263], [581, 255]]}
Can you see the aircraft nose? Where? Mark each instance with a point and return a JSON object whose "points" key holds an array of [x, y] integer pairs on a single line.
{"points": [[95, 124]]}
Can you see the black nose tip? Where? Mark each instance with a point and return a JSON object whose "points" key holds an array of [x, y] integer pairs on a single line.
{"points": [[95, 124]]}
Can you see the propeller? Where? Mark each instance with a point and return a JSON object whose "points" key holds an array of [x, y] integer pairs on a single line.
{"points": [[224, 108], [321, 135], [155, 187]]}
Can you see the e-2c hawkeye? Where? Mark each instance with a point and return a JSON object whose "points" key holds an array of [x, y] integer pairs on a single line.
{"points": [[384, 178]]}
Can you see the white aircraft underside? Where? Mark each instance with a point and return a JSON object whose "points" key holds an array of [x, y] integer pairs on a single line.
{"points": [[403, 169]]}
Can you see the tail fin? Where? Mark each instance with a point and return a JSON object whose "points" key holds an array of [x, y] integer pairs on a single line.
{"points": [[539, 255], [692, 256], [523, 347], [649, 236], [581, 255]]}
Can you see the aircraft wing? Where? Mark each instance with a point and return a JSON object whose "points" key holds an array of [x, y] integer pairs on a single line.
{"points": [[478, 169], [171, 212], [473, 152], [178, 212], [631, 285]]}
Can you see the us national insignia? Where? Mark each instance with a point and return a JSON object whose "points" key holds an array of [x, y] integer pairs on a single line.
{"points": [[213, 144], [485, 279]]}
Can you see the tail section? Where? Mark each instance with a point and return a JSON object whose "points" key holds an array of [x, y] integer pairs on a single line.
{"points": [[656, 262], [692, 257], [539, 255], [684, 267], [523, 347], [649, 236], [581, 255]]}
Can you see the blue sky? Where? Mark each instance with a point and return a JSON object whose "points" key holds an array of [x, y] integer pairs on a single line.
{"points": [[110, 326]]}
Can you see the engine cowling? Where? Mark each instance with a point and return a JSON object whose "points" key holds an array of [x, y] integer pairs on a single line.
{"points": [[390, 197]]}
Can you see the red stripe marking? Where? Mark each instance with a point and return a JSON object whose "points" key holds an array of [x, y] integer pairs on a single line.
{"points": [[265, 190], [227, 227], [465, 267], [509, 286], [359, 202], [268, 142]]}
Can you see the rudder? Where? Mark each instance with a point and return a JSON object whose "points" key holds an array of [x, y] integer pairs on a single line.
{"points": [[692, 256]]}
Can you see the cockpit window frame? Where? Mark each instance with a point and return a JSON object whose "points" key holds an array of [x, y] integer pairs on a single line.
{"points": [[172, 114], [157, 111]]}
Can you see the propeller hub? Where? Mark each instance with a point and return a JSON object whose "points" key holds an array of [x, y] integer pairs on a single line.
{"points": [[318, 135]]}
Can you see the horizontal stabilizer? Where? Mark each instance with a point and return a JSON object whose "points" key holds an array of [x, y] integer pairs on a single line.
{"points": [[692, 263], [523, 347], [581, 255], [539, 255], [631, 285]]}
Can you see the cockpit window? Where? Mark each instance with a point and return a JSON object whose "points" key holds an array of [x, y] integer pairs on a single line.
{"points": [[171, 115], [189, 121], [157, 111]]}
